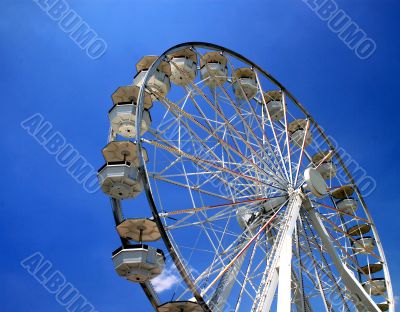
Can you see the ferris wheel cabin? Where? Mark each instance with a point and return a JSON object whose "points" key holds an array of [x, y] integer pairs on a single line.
{"points": [[183, 67], [120, 180], [213, 69], [119, 176], [375, 286], [273, 101], [123, 114], [325, 165], [159, 83], [344, 201], [245, 84], [297, 130], [138, 263], [180, 306]]}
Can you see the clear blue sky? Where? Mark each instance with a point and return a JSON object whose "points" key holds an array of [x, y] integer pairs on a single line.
{"points": [[43, 71]]}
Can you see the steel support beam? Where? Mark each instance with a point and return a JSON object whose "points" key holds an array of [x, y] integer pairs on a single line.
{"points": [[285, 277], [359, 296], [151, 294], [269, 296], [281, 257]]}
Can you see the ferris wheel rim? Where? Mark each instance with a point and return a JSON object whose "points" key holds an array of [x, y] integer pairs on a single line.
{"points": [[147, 185]]}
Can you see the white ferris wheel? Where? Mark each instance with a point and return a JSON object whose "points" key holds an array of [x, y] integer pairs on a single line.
{"points": [[247, 197]]}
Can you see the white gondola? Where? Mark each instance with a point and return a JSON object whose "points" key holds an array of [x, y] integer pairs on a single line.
{"points": [[120, 180], [123, 114], [297, 132], [140, 230], [138, 263], [273, 100], [117, 151], [159, 83], [213, 69], [183, 67], [364, 245], [245, 84], [343, 192], [347, 205], [375, 286], [359, 229], [371, 268], [322, 157], [326, 167], [383, 306], [180, 306], [327, 170], [123, 120], [129, 95]]}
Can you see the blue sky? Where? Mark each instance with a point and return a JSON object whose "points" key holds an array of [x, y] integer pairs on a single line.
{"points": [[43, 71]]}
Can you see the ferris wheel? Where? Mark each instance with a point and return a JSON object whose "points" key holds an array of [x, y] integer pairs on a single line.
{"points": [[247, 197]]}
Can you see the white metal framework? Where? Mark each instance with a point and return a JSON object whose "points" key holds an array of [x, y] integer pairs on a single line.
{"points": [[249, 199]]}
